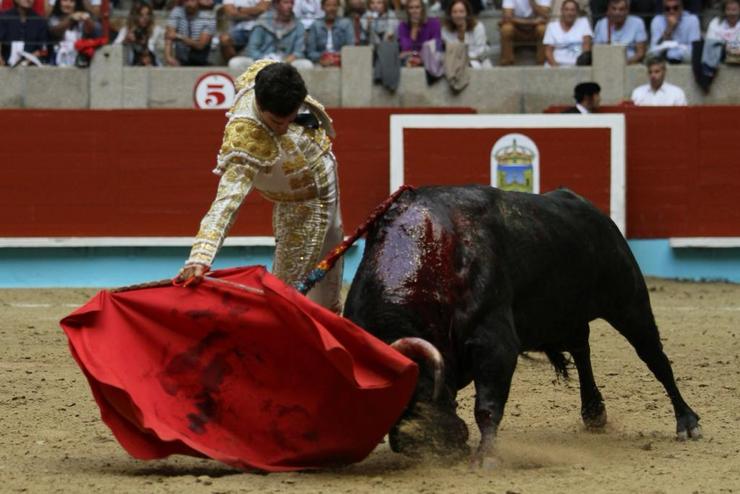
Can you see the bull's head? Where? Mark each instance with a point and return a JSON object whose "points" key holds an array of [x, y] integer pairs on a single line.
{"points": [[429, 425]]}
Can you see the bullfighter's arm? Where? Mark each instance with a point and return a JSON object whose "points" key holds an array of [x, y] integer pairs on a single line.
{"points": [[233, 187]]}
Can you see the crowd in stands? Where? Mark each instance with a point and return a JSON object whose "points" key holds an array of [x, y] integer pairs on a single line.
{"points": [[410, 33]]}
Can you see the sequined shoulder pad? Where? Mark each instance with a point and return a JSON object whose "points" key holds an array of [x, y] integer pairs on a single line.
{"points": [[247, 143]]}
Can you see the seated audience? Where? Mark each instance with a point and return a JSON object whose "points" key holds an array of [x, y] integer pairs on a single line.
{"points": [[39, 6], [328, 35], [523, 22], [354, 11], [242, 15], [277, 35], [476, 6], [618, 28], [588, 98], [722, 43], [461, 26], [567, 38], [415, 31], [22, 31], [658, 92], [308, 11], [190, 30], [378, 23], [673, 32], [141, 35], [725, 31], [70, 21]]}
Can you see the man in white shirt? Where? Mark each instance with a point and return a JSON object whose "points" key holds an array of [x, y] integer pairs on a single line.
{"points": [[658, 92], [243, 15], [523, 21]]}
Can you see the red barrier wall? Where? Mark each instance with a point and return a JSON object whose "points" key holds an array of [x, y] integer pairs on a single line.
{"points": [[683, 170], [147, 172], [576, 158]]}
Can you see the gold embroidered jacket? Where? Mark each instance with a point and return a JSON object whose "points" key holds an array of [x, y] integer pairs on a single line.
{"points": [[297, 167]]}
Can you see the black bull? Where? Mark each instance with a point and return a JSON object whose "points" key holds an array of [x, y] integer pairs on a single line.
{"points": [[483, 275]]}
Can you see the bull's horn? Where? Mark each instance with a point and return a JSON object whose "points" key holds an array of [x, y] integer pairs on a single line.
{"points": [[419, 348]]}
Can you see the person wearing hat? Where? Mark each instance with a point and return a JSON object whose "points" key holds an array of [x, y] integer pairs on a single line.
{"points": [[588, 98]]}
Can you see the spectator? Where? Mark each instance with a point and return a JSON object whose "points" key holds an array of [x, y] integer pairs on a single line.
{"points": [[93, 6], [141, 36], [355, 10], [523, 21], [725, 30], [328, 35], [278, 36], [413, 32], [461, 26], [567, 38], [22, 31], [673, 32], [476, 6], [39, 6], [722, 43], [658, 92], [618, 28], [588, 98], [242, 14], [188, 35], [378, 23], [308, 11], [70, 21]]}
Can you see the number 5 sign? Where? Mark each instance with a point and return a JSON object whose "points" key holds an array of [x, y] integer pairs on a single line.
{"points": [[214, 90]]}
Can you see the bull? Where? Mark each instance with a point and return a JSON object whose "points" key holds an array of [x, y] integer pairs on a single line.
{"points": [[464, 279]]}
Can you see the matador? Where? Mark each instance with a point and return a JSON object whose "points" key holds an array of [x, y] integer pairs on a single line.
{"points": [[277, 140]]}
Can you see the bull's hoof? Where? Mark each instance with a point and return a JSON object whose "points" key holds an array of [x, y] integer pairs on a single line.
{"points": [[594, 415], [687, 427]]}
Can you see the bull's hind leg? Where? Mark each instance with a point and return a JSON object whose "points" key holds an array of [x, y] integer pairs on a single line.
{"points": [[638, 326], [494, 349], [593, 410]]}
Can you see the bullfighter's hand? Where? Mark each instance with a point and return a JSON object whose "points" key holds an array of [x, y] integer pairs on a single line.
{"points": [[191, 274]]}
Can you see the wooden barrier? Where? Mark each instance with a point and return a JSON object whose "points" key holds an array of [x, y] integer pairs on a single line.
{"points": [[147, 172]]}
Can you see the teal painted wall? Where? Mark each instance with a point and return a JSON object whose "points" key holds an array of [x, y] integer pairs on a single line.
{"points": [[109, 266]]}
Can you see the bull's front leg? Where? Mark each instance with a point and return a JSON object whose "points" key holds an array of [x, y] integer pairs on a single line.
{"points": [[494, 349]]}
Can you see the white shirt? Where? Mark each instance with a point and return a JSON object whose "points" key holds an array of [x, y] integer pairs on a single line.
{"points": [[475, 40], [720, 29], [522, 8], [568, 44], [308, 11], [582, 108], [245, 25], [666, 95]]}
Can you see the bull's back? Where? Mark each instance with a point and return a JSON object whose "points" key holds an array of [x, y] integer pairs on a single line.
{"points": [[554, 257]]}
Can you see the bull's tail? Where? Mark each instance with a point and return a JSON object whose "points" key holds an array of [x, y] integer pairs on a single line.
{"points": [[560, 362]]}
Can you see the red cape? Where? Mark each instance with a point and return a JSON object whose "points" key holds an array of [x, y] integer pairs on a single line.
{"points": [[264, 380]]}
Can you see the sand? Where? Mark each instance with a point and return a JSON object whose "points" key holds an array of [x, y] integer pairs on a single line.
{"points": [[54, 441]]}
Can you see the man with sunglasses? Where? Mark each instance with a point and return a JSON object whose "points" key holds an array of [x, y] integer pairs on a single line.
{"points": [[673, 31]]}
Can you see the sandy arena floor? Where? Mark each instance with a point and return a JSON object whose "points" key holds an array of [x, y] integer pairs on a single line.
{"points": [[53, 440]]}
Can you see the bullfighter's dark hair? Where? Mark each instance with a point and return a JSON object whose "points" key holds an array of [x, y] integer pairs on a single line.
{"points": [[279, 89]]}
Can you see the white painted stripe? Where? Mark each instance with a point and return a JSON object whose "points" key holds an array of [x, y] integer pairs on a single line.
{"points": [[126, 241], [28, 305], [724, 242], [614, 122]]}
